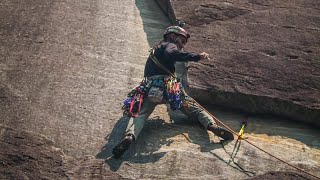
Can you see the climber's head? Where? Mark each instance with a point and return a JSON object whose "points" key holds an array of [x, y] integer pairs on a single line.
{"points": [[177, 35]]}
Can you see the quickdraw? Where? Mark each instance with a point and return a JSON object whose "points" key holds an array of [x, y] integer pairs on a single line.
{"points": [[175, 93], [132, 105]]}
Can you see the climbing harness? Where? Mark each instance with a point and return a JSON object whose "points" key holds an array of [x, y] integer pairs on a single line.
{"points": [[132, 105], [175, 92], [156, 90]]}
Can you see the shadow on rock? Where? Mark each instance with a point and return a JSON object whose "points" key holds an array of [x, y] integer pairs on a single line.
{"points": [[113, 138], [156, 134]]}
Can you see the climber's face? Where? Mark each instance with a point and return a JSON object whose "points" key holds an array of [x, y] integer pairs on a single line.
{"points": [[177, 39], [180, 41]]}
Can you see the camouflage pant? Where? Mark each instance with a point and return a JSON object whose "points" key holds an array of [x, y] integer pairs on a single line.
{"points": [[192, 111]]}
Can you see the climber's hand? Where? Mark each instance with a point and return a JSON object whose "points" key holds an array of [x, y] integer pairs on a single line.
{"points": [[204, 55]]}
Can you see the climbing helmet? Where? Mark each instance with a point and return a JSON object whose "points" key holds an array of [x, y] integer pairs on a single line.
{"points": [[176, 30]]}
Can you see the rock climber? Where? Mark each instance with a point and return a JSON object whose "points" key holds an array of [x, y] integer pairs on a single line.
{"points": [[160, 78]]}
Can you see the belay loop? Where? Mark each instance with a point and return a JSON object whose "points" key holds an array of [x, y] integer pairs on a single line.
{"points": [[132, 105]]}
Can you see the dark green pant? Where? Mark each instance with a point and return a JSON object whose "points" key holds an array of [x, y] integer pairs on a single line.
{"points": [[192, 111]]}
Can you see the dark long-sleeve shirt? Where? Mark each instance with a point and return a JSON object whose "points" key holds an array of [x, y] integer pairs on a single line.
{"points": [[167, 54]]}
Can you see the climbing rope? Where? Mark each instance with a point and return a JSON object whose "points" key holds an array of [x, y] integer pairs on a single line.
{"points": [[240, 134], [239, 137]]}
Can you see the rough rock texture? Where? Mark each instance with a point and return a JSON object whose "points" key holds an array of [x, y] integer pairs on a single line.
{"points": [[65, 67], [27, 155], [264, 54], [280, 175]]}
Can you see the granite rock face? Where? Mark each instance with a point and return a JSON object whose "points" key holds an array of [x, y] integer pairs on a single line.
{"points": [[264, 54], [66, 66], [26, 155]]}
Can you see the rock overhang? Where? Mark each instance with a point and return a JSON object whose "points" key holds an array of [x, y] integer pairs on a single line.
{"points": [[264, 55]]}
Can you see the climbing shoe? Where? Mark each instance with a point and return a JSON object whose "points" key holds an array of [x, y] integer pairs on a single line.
{"points": [[221, 132], [123, 146]]}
